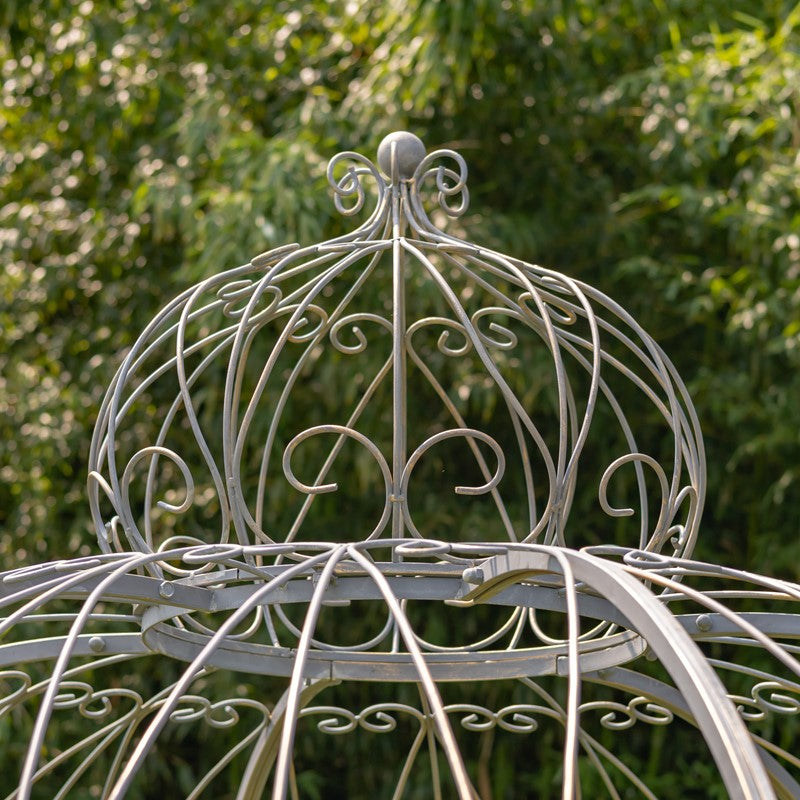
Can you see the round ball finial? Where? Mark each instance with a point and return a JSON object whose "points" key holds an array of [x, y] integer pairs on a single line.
{"points": [[410, 152]]}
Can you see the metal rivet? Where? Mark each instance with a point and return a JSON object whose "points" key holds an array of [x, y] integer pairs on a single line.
{"points": [[704, 622], [97, 644], [473, 575], [166, 589]]}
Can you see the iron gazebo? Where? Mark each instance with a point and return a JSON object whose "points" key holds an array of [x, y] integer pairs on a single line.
{"points": [[502, 608]]}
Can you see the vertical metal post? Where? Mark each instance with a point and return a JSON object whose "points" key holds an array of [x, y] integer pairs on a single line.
{"points": [[399, 411]]}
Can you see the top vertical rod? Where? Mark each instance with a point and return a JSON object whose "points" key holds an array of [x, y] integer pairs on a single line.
{"points": [[399, 367]]}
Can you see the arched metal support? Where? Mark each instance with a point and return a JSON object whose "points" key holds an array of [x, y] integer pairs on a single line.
{"points": [[265, 752], [729, 741], [786, 787]]}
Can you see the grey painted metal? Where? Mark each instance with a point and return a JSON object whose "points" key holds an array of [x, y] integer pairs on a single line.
{"points": [[283, 294], [670, 699], [265, 751], [704, 693], [521, 578], [227, 597]]}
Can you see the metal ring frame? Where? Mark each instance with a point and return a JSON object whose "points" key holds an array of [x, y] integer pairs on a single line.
{"points": [[225, 597]]}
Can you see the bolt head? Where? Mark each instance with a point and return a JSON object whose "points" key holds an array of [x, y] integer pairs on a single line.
{"points": [[97, 644], [166, 589], [410, 152], [473, 575], [704, 623]]}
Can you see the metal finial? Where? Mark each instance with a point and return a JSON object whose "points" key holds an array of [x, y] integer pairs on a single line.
{"points": [[410, 152]]}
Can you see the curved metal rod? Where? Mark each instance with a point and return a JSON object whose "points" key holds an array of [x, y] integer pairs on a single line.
{"points": [[233, 444], [453, 411], [265, 751], [296, 683], [445, 732], [722, 728], [332, 487], [190, 673], [37, 737], [467, 433], [490, 366], [569, 789], [334, 324]]}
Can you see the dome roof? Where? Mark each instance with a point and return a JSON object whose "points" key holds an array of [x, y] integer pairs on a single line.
{"points": [[471, 389]]}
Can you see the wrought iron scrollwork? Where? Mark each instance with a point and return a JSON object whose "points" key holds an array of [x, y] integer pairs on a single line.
{"points": [[474, 374]]}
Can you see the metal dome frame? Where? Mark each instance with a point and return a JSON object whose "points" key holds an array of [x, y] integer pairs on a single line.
{"points": [[222, 600]]}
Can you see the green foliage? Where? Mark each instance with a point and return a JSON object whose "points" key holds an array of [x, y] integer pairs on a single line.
{"points": [[717, 207], [649, 148]]}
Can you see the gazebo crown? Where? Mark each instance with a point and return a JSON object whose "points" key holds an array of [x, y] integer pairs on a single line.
{"points": [[449, 359]]}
